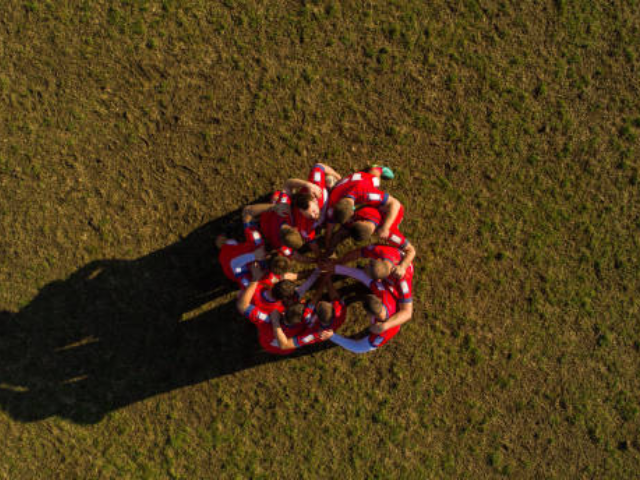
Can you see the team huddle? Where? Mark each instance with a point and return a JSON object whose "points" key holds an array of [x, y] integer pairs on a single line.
{"points": [[288, 230]]}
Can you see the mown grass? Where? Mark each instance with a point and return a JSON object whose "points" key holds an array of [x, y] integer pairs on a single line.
{"points": [[513, 129]]}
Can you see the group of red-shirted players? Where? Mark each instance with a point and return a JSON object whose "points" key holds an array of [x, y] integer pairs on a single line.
{"points": [[287, 229]]}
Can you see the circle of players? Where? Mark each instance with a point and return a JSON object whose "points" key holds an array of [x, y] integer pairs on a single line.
{"points": [[288, 229]]}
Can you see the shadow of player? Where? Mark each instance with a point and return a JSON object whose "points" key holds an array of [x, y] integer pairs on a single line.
{"points": [[119, 331]]}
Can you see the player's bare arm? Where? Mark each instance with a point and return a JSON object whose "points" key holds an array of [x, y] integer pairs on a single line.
{"points": [[296, 183], [349, 257], [328, 233], [391, 209], [252, 212], [284, 342], [244, 300], [298, 257], [337, 238], [330, 171], [399, 270], [402, 316]]}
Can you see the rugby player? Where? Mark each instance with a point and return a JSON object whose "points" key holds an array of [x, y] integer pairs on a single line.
{"points": [[386, 319]]}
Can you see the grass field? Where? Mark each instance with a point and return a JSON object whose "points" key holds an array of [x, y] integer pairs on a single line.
{"points": [[131, 131]]}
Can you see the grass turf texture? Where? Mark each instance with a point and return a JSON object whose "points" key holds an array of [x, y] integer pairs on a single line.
{"points": [[130, 131]]}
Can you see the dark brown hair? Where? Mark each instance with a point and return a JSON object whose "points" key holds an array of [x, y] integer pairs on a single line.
{"points": [[283, 289], [372, 305]]}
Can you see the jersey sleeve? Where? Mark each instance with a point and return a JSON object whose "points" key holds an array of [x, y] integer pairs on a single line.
{"points": [[280, 196], [256, 315], [308, 337], [405, 290], [398, 240], [318, 176], [368, 195], [270, 279], [284, 251], [369, 252], [252, 234]]}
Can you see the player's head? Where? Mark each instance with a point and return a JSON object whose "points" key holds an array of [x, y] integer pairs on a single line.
{"points": [[220, 241], [373, 305], [279, 265], [343, 210], [307, 204], [325, 313], [284, 290], [291, 237], [378, 269], [294, 314], [362, 231]]}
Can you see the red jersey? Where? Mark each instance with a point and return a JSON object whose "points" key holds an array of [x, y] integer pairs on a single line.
{"points": [[268, 340], [311, 334], [235, 257], [390, 304], [271, 223], [262, 305], [307, 226], [401, 288], [362, 187], [373, 215]]}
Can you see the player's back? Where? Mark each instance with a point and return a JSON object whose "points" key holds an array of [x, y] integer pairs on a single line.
{"points": [[378, 251], [234, 256], [350, 182]]}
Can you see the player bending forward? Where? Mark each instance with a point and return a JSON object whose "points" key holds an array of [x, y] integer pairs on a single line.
{"points": [[325, 316], [386, 320]]}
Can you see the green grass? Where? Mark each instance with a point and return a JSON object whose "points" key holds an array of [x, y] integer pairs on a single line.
{"points": [[513, 130]]}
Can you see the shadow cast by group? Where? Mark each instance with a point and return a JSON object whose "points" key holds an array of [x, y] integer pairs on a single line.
{"points": [[111, 334]]}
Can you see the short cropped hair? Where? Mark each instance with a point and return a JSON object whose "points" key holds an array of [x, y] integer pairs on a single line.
{"points": [[380, 269], [291, 237], [343, 211], [325, 313], [294, 314], [360, 232], [279, 265], [372, 305], [283, 289], [302, 200]]}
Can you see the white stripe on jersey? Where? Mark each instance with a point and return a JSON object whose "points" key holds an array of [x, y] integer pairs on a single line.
{"points": [[374, 197], [356, 177], [256, 235], [317, 176], [394, 238], [262, 316], [376, 182], [404, 287], [306, 339]]}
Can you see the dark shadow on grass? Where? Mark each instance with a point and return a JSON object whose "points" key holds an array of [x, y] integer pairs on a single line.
{"points": [[119, 331]]}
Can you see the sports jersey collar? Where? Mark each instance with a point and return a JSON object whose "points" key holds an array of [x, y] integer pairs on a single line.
{"points": [[266, 296]]}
